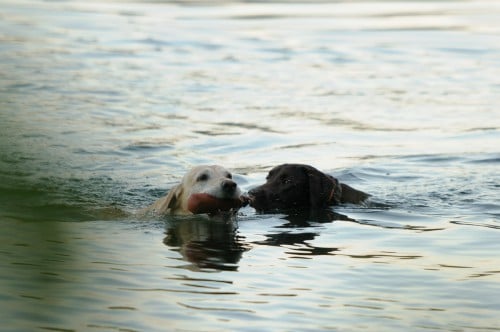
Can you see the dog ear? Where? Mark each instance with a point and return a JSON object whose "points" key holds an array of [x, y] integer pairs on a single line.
{"points": [[173, 197], [351, 195], [323, 189], [172, 200]]}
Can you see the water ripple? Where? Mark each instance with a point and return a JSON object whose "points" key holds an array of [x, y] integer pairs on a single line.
{"points": [[104, 106], [214, 309]]}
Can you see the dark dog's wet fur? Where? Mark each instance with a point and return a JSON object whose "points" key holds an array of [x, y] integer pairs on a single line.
{"points": [[292, 186]]}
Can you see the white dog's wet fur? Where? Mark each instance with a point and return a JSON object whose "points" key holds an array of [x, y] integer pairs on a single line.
{"points": [[204, 189]]}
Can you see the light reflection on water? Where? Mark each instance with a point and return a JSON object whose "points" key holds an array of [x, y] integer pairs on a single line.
{"points": [[105, 105]]}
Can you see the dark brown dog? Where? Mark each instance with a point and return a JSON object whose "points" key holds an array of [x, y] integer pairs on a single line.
{"points": [[292, 186]]}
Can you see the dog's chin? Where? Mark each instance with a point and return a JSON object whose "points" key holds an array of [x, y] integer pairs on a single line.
{"points": [[206, 203]]}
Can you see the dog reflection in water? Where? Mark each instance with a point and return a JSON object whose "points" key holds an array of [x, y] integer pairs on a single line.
{"points": [[208, 243]]}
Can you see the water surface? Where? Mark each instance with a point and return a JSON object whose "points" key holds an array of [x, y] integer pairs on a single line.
{"points": [[105, 105]]}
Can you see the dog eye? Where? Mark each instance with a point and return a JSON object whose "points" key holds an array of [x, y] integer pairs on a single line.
{"points": [[229, 176], [284, 179], [202, 177]]}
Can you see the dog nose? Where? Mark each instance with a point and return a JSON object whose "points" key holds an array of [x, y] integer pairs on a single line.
{"points": [[228, 186]]}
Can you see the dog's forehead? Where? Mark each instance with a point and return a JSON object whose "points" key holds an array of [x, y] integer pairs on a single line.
{"points": [[291, 170], [219, 170], [214, 170], [286, 168]]}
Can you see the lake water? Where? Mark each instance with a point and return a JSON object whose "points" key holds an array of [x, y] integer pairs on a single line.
{"points": [[105, 105]]}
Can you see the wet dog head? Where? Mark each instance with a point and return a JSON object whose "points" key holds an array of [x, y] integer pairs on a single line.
{"points": [[204, 189], [290, 186]]}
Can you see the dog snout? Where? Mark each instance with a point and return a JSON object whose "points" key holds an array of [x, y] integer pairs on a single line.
{"points": [[258, 193], [228, 186], [256, 197], [253, 192]]}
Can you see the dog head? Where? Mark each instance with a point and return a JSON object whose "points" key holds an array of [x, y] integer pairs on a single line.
{"points": [[290, 186], [205, 189]]}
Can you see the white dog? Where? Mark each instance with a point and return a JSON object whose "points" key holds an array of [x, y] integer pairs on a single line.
{"points": [[204, 189]]}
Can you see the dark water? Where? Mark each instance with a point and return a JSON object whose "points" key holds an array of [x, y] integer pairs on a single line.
{"points": [[105, 105]]}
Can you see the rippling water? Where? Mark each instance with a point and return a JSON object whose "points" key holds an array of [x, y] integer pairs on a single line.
{"points": [[105, 105]]}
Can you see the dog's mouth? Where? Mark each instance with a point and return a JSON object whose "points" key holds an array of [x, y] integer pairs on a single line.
{"points": [[253, 200], [267, 203], [206, 203], [246, 200]]}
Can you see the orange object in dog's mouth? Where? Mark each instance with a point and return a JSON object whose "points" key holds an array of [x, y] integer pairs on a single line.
{"points": [[205, 203]]}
